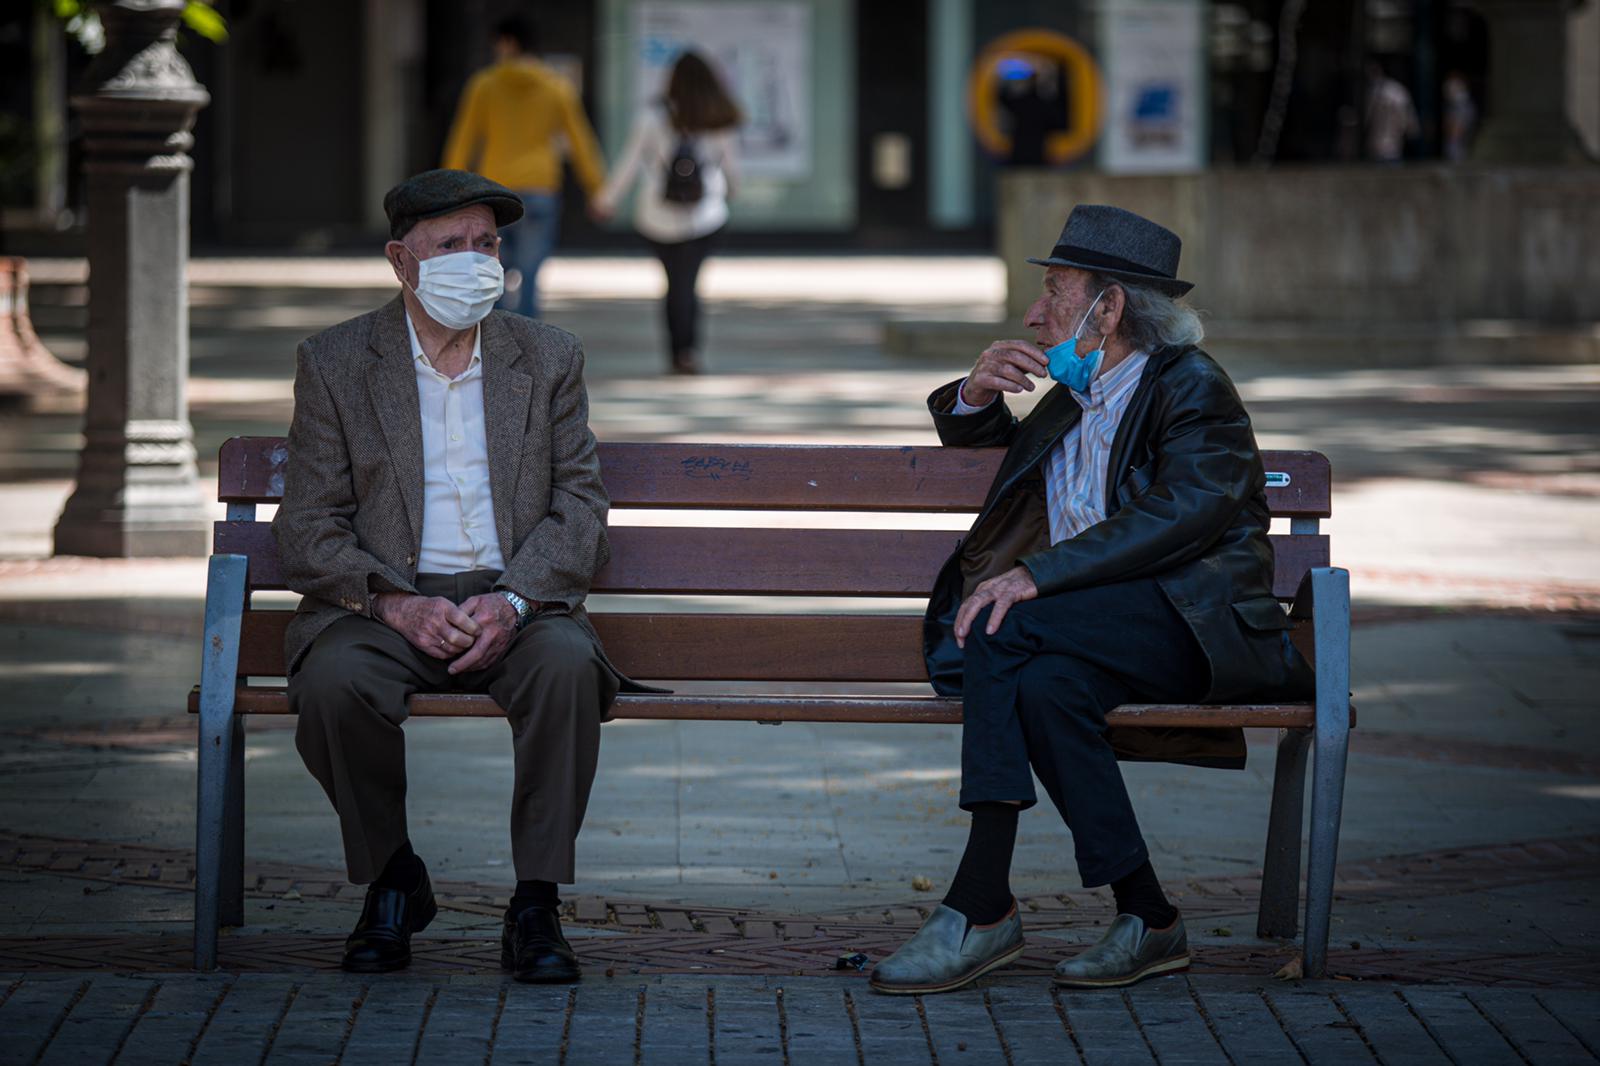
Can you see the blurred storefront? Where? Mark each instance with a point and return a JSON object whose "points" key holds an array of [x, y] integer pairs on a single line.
{"points": [[881, 125]]}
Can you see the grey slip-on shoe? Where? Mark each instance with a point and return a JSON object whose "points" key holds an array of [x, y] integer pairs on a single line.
{"points": [[1127, 953], [945, 954]]}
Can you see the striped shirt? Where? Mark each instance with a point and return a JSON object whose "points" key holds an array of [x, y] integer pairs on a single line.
{"points": [[1075, 470]]}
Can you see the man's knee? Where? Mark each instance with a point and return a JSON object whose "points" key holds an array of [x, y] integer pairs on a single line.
{"points": [[556, 671], [1059, 686], [329, 690]]}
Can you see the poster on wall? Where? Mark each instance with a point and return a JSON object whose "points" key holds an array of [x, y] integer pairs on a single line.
{"points": [[1153, 57], [763, 53]]}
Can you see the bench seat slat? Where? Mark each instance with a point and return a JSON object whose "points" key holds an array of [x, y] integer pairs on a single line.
{"points": [[913, 709], [695, 560], [787, 477]]}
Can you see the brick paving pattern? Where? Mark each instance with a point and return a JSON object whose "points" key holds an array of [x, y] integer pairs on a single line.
{"points": [[276, 1018], [636, 937]]}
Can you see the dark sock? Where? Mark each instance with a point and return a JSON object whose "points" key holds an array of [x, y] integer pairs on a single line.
{"points": [[982, 888], [403, 871], [533, 894], [1140, 895]]}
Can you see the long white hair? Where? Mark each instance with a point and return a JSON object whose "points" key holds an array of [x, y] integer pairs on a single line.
{"points": [[1151, 319]]}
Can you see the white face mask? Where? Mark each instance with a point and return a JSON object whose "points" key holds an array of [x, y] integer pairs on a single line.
{"points": [[459, 289]]}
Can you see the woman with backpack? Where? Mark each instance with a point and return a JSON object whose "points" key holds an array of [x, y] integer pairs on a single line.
{"points": [[682, 151]]}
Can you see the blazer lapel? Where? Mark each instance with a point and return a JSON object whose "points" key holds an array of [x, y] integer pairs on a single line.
{"points": [[392, 386], [507, 395]]}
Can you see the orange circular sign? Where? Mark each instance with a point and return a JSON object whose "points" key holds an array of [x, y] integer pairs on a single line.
{"points": [[1081, 82]]}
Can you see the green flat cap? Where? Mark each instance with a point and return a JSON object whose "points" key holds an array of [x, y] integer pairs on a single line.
{"points": [[439, 192]]}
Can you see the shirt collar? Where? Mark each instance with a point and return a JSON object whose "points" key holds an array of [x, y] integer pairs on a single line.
{"points": [[418, 355], [1114, 384]]}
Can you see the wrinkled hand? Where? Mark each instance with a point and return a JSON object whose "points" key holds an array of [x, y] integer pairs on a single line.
{"points": [[432, 624], [1013, 586], [1004, 366], [498, 621]]}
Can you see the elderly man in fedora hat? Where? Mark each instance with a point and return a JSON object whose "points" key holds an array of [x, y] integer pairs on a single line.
{"points": [[1121, 556], [442, 517]]}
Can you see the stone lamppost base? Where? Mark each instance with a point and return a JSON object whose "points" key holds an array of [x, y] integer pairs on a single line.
{"points": [[137, 492]]}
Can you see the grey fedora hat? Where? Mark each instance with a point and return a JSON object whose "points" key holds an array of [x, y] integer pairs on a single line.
{"points": [[1120, 244]]}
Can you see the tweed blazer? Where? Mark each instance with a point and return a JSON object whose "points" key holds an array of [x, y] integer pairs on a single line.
{"points": [[350, 523]]}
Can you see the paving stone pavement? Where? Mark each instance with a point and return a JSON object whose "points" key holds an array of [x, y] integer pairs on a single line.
{"points": [[1187, 1020]]}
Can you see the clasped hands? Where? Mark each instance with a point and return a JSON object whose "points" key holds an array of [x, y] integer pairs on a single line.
{"points": [[475, 634]]}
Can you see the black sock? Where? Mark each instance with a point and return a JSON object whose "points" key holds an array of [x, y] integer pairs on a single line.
{"points": [[533, 894], [404, 870], [982, 888], [1140, 895]]}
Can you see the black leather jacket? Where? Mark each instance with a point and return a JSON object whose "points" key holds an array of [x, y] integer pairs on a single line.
{"points": [[1186, 505]]}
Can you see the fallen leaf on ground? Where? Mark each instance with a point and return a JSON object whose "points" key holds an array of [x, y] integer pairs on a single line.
{"points": [[1293, 970], [922, 884], [1221, 930]]}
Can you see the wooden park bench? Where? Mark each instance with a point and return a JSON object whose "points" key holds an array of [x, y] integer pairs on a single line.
{"points": [[797, 649]]}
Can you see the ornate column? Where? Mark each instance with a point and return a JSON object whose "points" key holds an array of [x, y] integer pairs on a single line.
{"points": [[1525, 117], [137, 494]]}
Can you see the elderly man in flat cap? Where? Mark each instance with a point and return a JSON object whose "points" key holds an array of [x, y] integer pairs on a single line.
{"points": [[443, 517], [1121, 557]]}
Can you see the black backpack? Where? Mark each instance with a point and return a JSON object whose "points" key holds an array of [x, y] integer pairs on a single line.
{"points": [[684, 185]]}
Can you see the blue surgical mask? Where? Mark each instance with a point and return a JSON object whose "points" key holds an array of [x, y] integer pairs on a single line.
{"points": [[1076, 371]]}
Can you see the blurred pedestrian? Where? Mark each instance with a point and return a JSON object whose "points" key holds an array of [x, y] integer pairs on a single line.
{"points": [[682, 151], [1391, 116], [509, 127], [1460, 117]]}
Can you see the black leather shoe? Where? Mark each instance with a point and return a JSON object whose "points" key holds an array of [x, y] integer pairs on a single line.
{"points": [[382, 938], [532, 948]]}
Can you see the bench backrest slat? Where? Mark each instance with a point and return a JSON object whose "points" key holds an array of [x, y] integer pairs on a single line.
{"points": [[757, 560], [710, 561], [704, 647], [789, 477]]}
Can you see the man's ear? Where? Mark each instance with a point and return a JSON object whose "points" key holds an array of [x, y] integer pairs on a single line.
{"points": [[399, 257], [1111, 308]]}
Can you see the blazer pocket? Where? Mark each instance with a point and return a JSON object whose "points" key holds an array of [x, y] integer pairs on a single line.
{"points": [[1262, 614]]}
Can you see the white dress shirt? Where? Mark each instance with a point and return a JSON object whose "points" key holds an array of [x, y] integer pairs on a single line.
{"points": [[458, 530], [1075, 469]]}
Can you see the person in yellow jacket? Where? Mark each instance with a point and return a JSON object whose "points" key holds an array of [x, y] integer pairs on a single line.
{"points": [[508, 128]]}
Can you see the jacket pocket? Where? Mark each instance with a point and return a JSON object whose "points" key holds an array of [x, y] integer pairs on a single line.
{"points": [[1262, 614], [1136, 482]]}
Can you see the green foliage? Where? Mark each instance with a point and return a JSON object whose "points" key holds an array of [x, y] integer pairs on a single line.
{"points": [[84, 23], [205, 20]]}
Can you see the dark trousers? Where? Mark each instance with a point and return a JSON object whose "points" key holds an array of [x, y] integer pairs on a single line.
{"points": [[1035, 695], [350, 694], [682, 262]]}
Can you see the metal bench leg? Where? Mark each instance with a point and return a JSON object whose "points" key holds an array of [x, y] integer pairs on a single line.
{"points": [[1280, 870], [230, 903], [1331, 591], [221, 751]]}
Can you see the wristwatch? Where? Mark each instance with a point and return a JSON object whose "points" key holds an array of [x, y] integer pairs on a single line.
{"points": [[523, 608]]}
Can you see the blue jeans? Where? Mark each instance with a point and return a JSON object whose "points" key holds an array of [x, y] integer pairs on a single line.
{"points": [[528, 243]]}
